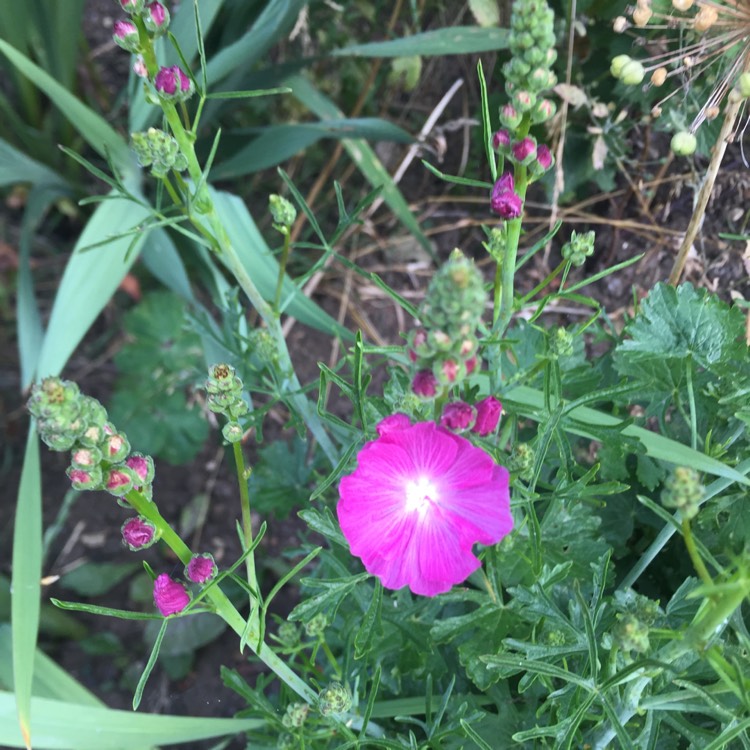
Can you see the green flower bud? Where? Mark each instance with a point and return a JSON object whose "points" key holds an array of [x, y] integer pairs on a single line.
{"points": [[158, 150], [317, 625], [334, 699], [283, 212], [684, 491], [289, 634], [579, 247], [295, 715], [232, 432], [631, 634], [561, 343], [522, 459], [684, 143]]}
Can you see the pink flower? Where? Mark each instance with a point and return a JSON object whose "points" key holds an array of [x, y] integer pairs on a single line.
{"points": [[170, 596], [417, 502], [138, 533], [504, 200], [201, 568], [488, 416], [458, 416], [424, 384]]}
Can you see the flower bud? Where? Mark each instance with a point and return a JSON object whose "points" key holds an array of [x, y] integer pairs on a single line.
{"points": [[132, 6], [684, 491], [126, 36], [81, 479], [334, 699], [170, 597], [115, 447], [232, 432], [139, 67], [317, 625], [488, 416], [138, 533], [524, 100], [288, 634], [425, 384], [142, 466], [561, 343], [118, 480], [579, 247], [156, 19], [684, 143], [172, 84], [283, 213], [524, 151], [458, 416], [682, 5], [201, 568], [642, 15], [501, 141], [85, 458], [545, 110], [295, 716], [504, 201], [510, 117], [522, 459], [631, 634]]}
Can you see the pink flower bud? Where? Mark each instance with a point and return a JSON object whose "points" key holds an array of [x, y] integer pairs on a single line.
{"points": [[201, 568], [544, 157], [115, 447], [504, 200], [118, 482], [501, 140], [132, 6], [139, 68], [488, 416], [510, 116], [126, 36], [156, 18], [85, 480], [170, 596], [85, 458], [424, 384], [393, 422], [471, 364], [449, 370], [524, 151], [172, 83], [458, 416], [142, 466], [138, 533]]}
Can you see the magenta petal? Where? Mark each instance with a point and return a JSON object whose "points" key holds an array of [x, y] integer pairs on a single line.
{"points": [[417, 502]]}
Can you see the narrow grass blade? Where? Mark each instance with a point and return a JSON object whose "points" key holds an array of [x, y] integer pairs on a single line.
{"points": [[278, 143], [97, 132], [16, 167], [363, 156], [29, 324], [26, 585], [161, 258], [59, 725], [456, 40], [89, 281]]}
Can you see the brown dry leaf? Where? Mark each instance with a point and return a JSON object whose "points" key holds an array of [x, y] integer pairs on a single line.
{"points": [[573, 95], [599, 153]]}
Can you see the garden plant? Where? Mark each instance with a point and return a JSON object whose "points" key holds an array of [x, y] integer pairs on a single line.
{"points": [[514, 531]]}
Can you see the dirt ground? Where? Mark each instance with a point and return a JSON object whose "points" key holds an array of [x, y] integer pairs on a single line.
{"points": [[638, 217]]}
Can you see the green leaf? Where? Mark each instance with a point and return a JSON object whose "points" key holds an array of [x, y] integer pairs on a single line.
{"points": [[104, 139], [278, 143], [279, 492], [457, 40], [16, 168], [89, 281], [333, 592], [95, 579], [26, 586], [61, 725], [186, 634]]}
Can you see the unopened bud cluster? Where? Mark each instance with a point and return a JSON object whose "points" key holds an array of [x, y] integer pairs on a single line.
{"points": [[158, 150], [283, 213], [148, 21], [683, 491], [444, 350], [529, 73], [579, 247], [334, 699], [224, 389], [100, 455], [482, 418]]}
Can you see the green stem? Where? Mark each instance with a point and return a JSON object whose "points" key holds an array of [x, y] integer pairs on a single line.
{"points": [[698, 564], [282, 271], [538, 288], [247, 524], [219, 600], [501, 318]]}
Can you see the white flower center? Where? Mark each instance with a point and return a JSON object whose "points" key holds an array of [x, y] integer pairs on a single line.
{"points": [[420, 494]]}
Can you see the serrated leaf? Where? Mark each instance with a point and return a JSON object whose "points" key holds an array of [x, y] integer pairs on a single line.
{"points": [[332, 593]]}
